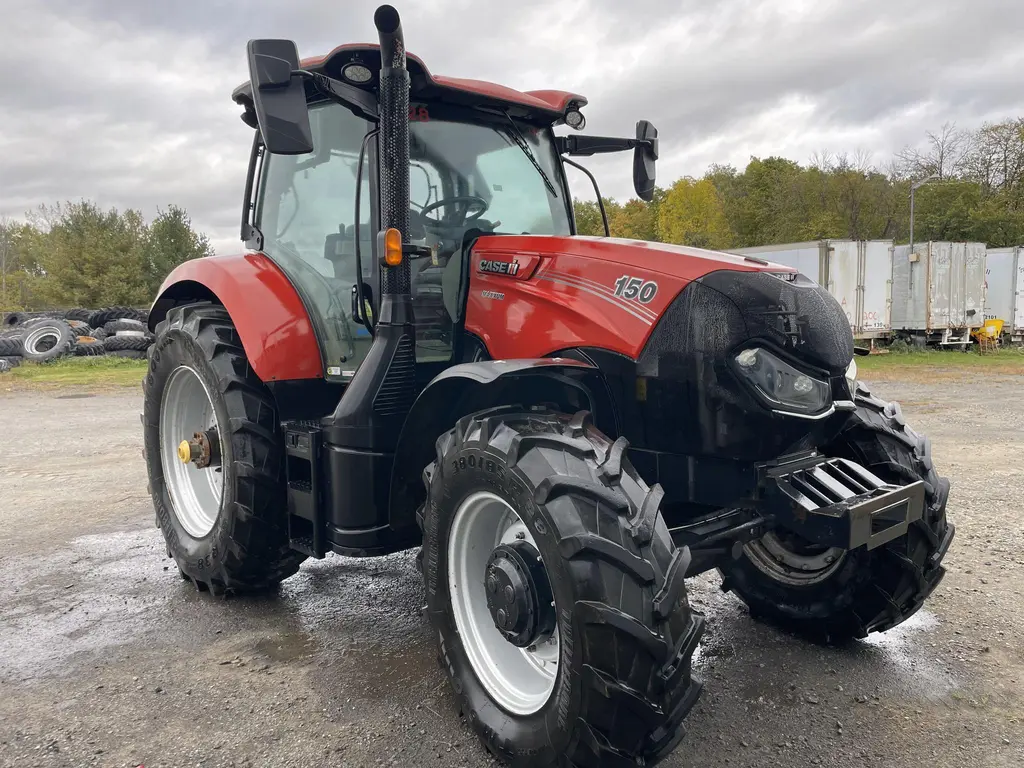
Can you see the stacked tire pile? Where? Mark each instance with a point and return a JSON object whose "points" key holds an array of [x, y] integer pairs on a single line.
{"points": [[46, 336]]}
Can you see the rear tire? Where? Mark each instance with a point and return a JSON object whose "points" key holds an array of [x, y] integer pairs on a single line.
{"points": [[625, 630], [234, 539], [865, 591]]}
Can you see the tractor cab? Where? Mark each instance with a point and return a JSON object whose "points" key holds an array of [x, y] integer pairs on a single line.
{"points": [[483, 160]]}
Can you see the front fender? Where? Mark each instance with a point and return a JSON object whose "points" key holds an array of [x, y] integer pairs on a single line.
{"points": [[472, 387], [267, 312]]}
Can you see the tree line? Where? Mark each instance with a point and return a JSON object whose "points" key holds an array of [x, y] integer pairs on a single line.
{"points": [[977, 194], [79, 255]]}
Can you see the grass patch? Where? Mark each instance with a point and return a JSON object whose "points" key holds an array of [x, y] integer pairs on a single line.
{"points": [[92, 372], [941, 363]]}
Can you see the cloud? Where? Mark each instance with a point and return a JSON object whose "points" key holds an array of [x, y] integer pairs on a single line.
{"points": [[128, 103]]}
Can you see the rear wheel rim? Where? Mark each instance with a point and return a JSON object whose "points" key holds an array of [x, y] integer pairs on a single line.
{"points": [[519, 680], [186, 408]]}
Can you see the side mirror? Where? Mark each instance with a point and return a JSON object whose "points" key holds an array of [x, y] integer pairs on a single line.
{"points": [[279, 97], [644, 157]]}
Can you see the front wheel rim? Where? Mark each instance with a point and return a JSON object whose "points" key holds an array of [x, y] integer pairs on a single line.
{"points": [[793, 562], [196, 494], [520, 680]]}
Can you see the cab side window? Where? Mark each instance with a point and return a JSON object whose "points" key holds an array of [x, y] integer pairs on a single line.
{"points": [[306, 212]]}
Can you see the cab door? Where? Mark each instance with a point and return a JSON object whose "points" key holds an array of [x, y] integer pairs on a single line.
{"points": [[306, 211]]}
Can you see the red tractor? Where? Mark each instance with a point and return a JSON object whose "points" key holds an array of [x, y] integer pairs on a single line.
{"points": [[417, 350]]}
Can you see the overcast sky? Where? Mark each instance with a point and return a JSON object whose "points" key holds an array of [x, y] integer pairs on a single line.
{"points": [[127, 102]]}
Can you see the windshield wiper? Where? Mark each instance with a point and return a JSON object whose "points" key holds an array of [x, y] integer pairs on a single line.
{"points": [[516, 135]]}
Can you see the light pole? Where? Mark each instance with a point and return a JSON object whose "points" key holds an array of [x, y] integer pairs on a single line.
{"points": [[913, 188]]}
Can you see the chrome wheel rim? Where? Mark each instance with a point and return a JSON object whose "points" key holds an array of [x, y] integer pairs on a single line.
{"points": [[520, 680], [794, 561], [196, 494]]}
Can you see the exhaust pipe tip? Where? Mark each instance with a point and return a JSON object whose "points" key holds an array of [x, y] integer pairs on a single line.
{"points": [[387, 20]]}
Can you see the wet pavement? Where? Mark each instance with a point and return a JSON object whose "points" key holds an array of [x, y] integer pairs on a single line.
{"points": [[108, 658]]}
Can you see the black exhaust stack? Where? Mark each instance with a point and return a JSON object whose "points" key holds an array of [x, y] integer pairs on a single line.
{"points": [[394, 142], [359, 438]]}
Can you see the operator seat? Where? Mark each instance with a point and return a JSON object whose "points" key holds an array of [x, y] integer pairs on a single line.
{"points": [[340, 251]]}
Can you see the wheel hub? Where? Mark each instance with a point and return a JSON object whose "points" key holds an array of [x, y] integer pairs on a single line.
{"points": [[203, 449], [519, 594]]}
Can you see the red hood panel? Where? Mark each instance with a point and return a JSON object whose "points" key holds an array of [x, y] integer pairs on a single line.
{"points": [[579, 291], [676, 260]]}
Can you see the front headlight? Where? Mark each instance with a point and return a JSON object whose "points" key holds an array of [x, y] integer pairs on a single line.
{"points": [[780, 384]]}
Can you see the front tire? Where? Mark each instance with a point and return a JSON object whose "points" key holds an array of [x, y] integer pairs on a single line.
{"points": [[838, 595], [624, 632], [224, 524]]}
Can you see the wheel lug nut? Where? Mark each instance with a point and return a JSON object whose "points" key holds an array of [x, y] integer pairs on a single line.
{"points": [[502, 617], [510, 594], [492, 584]]}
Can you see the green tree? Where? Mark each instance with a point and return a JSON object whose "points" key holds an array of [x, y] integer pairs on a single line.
{"points": [[171, 241], [78, 255], [692, 213], [588, 217], [635, 220]]}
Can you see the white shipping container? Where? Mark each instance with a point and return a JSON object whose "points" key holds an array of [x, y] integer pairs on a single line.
{"points": [[1018, 308], [805, 258], [856, 272], [1000, 269], [1004, 292], [938, 286]]}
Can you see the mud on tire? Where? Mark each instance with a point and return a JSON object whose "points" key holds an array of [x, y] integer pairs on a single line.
{"points": [[247, 549], [627, 633], [870, 591]]}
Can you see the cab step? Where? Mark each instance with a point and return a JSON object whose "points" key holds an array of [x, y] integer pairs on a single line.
{"points": [[306, 522]]}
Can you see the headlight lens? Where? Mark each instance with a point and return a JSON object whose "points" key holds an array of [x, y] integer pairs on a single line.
{"points": [[781, 384]]}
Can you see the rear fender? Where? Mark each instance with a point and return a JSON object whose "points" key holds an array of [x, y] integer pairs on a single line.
{"points": [[569, 385], [267, 312]]}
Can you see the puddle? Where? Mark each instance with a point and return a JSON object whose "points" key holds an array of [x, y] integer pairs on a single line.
{"points": [[85, 598], [381, 674], [290, 646]]}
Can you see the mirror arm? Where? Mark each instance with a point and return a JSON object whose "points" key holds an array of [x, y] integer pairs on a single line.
{"points": [[359, 101], [600, 201], [592, 145]]}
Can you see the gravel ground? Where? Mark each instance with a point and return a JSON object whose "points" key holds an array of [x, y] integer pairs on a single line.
{"points": [[107, 658]]}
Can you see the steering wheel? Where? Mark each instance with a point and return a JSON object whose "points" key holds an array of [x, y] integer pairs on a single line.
{"points": [[475, 203]]}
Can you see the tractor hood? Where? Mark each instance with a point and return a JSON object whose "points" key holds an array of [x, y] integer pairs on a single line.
{"points": [[678, 261]]}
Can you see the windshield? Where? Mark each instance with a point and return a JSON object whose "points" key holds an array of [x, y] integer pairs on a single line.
{"points": [[496, 175]]}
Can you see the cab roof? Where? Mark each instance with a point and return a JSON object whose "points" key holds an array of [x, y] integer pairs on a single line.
{"points": [[547, 106]]}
